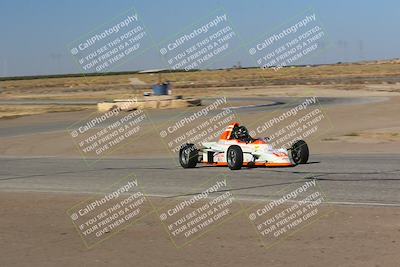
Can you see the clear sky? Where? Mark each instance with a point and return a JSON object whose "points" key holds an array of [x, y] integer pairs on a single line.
{"points": [[35, 34]]}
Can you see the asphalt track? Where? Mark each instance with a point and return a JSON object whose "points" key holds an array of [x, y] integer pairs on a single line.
{"points": [[367, 179], [370, 179]]}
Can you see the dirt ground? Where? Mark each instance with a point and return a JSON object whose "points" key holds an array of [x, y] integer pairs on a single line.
{"points": [[35, 230]]}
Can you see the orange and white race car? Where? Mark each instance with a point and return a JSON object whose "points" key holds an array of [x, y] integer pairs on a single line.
{"points": [[236, 148]]}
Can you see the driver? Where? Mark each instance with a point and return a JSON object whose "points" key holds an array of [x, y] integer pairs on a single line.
{"points": [[242, 134]]}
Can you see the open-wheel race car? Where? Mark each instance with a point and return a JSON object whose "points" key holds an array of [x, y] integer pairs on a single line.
{"points": [[236, 148]]}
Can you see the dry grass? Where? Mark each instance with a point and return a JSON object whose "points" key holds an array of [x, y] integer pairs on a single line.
{"points": [[343, 71], [348, 78]]}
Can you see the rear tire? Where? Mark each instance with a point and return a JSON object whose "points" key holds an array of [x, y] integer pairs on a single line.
{"points": [[188, 156], [299, 152], [234, 157]]}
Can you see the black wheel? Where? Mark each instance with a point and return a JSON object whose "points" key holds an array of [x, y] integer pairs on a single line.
{"points": [[188, 156], [234, 157], [299, 152]]}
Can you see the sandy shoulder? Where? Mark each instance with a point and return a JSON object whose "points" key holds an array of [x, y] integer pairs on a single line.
{"points": [[35, 230]]}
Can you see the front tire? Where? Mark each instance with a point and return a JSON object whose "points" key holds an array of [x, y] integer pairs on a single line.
{"points": [[299, 152], [234, 157], [188, 156]]}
